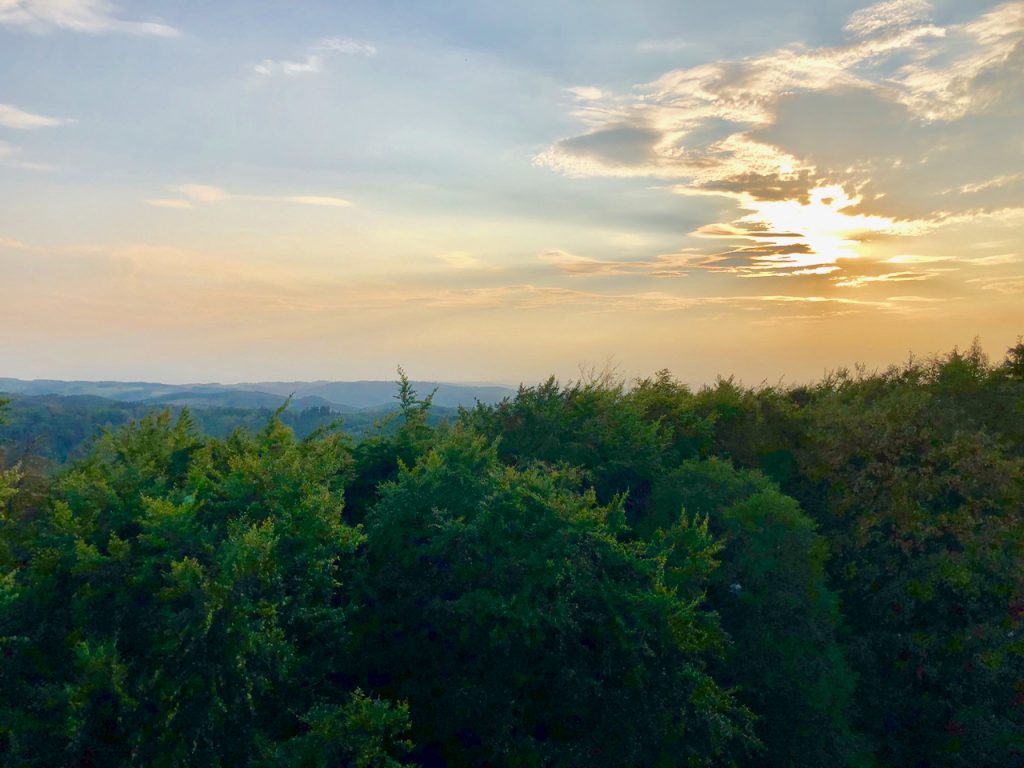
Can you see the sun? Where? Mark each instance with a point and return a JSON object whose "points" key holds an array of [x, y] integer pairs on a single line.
{"points": [[826, 225]]}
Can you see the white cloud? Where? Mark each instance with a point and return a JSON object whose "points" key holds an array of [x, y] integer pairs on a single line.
{"points": [[1008, 286], [704, 122], [887, 16], [573, 265], [168, 203], [288, 68], [997, 181], [905, 128], [890, 277], [996, 260], [911, 258], [459, 260], [87, 16], [321, 200], [10, 155], [314, 59], [12, 117], [586, 92], [205, 194], [348, 46]]}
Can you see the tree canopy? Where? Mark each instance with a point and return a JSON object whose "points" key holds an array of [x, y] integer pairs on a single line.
{"points": [[592, 573]]}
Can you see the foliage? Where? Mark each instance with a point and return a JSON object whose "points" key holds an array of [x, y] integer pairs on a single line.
{"points": [[522, 631], [595, 426], [52, 430], [397, 441], [644, 443], [774, 602], [916, 480], [185, 602], [585, 574]]}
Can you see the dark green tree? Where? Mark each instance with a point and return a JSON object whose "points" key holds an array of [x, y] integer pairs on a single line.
{"points": [[398, 440], [593, 426], [777, 609], [523, 630], [922, 510], [185, 602]]}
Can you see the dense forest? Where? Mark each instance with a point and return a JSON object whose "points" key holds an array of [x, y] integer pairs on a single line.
{"points": [[53, 429], [592, 573]]}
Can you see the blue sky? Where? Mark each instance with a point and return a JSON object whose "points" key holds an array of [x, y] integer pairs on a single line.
{"points": [[496, 191]]}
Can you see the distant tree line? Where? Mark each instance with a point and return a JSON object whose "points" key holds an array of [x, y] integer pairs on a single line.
{"points": [[585, 574], [51, 430]]}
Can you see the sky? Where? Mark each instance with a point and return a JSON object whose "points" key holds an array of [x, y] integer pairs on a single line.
{"points": [[495, 191]]}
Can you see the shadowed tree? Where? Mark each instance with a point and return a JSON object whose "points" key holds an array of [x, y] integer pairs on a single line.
{"points": [[505, 608]]}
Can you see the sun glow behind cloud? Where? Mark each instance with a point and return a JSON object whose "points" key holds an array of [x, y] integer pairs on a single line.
{"points": [[802, 237], [347, 200], [828, 154]]}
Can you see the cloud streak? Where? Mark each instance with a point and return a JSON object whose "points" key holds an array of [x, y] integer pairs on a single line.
{"points": [[91, 17], [890, 15], [206, 194], [315, 57], [11, 156], [823, 150], [19, 119]]}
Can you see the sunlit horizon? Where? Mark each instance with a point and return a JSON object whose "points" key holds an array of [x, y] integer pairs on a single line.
{"points": [[490, 193]]}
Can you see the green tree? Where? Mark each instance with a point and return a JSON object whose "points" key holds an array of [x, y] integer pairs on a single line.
{"points": [[921, 508], [8, 476], [777, 609], [186, 602], [522, 630], [399, 439], [593, 426]]}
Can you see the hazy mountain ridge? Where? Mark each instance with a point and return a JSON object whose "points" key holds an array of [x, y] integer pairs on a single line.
{"points": [[341, 396]]}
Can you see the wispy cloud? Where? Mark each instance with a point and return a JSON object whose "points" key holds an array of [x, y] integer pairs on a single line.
{"points": [[460, 260], [164, 202], [668, 127], [997, 181], [996, 260], [541, 297], [12, 155], [206, 194], [890, 277], [315, 57], [12, 117], [203, 193], [824, 149], [317, 200], [913, 258], [893, 14], [1008, 284], [583, 266], [88, 16]]}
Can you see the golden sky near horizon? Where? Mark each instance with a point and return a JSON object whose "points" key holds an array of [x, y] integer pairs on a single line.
{"points": [[491, 193]]}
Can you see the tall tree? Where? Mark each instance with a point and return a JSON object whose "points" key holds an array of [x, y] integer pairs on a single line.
{"points": [[524, 631]]}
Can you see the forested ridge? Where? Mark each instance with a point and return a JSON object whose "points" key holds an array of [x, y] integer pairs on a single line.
{"points": [[50, 430], [592, 573]]}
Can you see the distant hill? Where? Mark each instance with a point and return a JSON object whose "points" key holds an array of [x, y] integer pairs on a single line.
{"points": [[374, 394], [340, 396], [59, 428], [233, 398]]}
